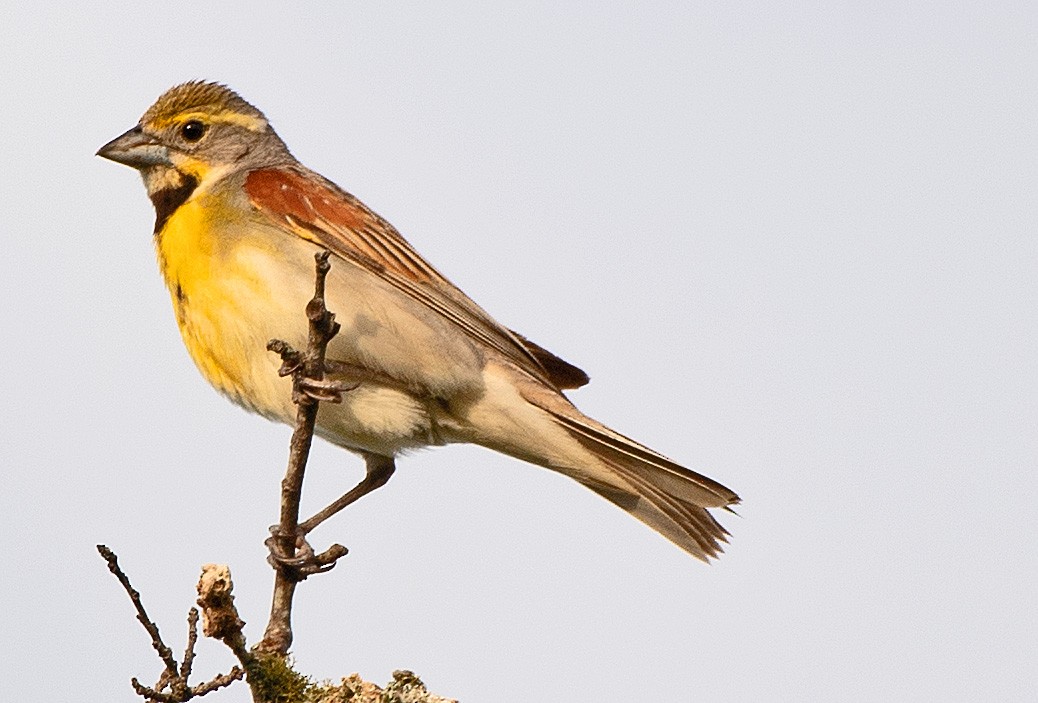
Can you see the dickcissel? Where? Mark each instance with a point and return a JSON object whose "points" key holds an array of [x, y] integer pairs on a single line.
{"points": [[237, 223]]}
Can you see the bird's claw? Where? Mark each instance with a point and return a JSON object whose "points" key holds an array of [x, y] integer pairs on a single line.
{"points": [[291, 360], [323, 390], [304, 387], [303, 561]]}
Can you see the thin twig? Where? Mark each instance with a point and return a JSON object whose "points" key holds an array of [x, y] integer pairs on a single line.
{"points": [[156, 694], [173, 677], [149, 693], [164, 652], [192, 640], [308, 389], [235, 674]]}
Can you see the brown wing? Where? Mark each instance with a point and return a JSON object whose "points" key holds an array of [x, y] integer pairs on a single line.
{"points": [[562, 373], [318, 210]]}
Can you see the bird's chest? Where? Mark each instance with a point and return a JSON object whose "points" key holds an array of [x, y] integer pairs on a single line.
{"points": [[224, 286], [236, 283]]}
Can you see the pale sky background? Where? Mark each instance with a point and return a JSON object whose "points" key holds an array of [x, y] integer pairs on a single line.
{"points": [[795, 248]]}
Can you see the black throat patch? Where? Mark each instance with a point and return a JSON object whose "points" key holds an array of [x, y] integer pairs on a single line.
{"points": [[167, 200]]}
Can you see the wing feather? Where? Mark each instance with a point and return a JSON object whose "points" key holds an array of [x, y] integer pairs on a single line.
{"points": [[319, 211]]}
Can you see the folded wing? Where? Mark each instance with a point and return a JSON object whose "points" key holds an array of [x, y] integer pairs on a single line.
{"points": [[321, 212]]}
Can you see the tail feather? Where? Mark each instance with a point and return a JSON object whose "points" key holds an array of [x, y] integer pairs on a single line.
{"points": [[684, 523], [656, 468], [674, 527], [533, 422], [664, 495]]}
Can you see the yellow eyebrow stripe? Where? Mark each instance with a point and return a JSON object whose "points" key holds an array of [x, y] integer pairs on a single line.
{"points": [[254, 124]]}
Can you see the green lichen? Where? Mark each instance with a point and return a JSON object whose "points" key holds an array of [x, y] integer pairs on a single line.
{"points": [[273, 680]]}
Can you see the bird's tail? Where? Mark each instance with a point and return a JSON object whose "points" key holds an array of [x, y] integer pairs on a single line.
{"points": [[664, 495]]}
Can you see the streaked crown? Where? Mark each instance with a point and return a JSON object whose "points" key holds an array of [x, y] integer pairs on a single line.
{"points": [[213, 101]]}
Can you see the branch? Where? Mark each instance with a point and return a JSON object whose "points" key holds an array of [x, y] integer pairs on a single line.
{"points": [[173, 677], [164, 652], [308, 389]]}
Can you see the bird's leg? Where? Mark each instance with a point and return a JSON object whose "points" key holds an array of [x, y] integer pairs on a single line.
{"points": [[305, 561], [379, 468]]}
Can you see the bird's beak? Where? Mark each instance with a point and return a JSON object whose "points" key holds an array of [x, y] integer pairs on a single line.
{"points": [[135, 148]]}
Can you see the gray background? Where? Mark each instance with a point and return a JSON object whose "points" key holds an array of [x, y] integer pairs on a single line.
{"points": [[795, 249]]}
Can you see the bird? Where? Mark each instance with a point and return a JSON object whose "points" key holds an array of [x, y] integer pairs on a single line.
{"points": [[238, 220]]}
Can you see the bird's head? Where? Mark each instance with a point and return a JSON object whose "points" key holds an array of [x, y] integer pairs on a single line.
{"points": [[195, 134]]}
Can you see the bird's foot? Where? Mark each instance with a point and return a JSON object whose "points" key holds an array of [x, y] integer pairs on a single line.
{"points": [[324, 390], [293, 363], [300, 560]]}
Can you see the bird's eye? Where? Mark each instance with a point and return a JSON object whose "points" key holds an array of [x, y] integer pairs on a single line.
{"points": [[192, 130]]}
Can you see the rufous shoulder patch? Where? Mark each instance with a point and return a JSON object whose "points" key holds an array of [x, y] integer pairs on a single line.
{"points": [[285, 192]]}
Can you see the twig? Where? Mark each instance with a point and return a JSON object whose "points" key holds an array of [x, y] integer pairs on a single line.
{"points": [[156, 694], [308, 389], [164, 652], [173, 677], [235, 674], [192, 640]]}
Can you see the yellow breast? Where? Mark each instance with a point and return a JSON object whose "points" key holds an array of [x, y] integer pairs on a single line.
{"points": [[236, 281], [218, 271]]}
